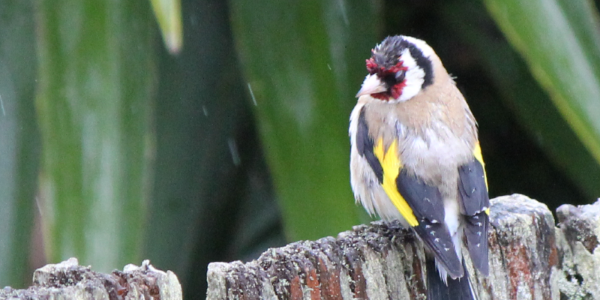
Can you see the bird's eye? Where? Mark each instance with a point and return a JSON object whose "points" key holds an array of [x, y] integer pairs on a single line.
{"points": [[400, 76], [389, 79]]}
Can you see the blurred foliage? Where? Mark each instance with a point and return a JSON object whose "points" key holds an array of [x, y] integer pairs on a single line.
{"points": [[19, 140], [296, 57], [560, 41], [212, 197], [95, 83], [529, 104], [168, 15], [147, 154]]}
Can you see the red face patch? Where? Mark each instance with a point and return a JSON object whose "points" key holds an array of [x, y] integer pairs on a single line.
{"points": [[394, 91], [381, 96], [371, 66]]}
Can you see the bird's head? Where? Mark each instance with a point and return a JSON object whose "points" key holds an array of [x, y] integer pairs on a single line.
{"points": [[399, 68]]}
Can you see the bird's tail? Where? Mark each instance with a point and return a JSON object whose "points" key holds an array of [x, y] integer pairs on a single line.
{"points": [[453, 289]]}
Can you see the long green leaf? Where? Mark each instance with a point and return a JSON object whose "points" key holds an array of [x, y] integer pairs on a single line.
{"points": [[560, 41], [95, 84], [19, 139], [168, 14], [212, 199], [304, 61], [529, 102]]}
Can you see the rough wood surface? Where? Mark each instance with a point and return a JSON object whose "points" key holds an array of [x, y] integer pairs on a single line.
{"points": [[530, 258], [69, 280], [579, 231]]}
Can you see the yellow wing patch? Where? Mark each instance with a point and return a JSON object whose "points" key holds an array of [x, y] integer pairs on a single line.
{"points": [[479, 158], [391, 164]]}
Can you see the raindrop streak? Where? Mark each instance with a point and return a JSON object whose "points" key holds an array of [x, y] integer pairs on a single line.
{"points": [[344, 14], [235, 155], [204, 110], [39, 206], [2, 106], [329, 67], [252, 94]]}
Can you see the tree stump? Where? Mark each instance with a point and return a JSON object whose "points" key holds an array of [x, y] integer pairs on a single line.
{"points": [[69, 280], [530, 258]]}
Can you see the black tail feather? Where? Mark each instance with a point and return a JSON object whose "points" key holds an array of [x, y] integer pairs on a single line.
{"points": [[456, 289]]}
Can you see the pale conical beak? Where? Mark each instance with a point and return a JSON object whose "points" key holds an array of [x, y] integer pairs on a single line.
{"points": [[372, 85]]}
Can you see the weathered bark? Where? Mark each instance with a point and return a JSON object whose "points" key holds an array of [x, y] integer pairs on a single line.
{"points": [[578, 234], [530, 258], [69, 280]]}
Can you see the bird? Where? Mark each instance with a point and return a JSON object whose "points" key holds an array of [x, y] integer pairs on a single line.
{"points": [[415, 158]]}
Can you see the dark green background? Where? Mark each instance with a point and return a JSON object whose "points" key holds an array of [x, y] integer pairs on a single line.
{"points": [[117, 150]]}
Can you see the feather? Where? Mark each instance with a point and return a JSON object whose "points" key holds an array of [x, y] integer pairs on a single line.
{"points": [[475, 203]]}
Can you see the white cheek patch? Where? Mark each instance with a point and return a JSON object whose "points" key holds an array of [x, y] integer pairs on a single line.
{"points": [[414, 77]]}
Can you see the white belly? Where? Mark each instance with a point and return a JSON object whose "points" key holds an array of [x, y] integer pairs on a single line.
{"points": [[435, 155]]}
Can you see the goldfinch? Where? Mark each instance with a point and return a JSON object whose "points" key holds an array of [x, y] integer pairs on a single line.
{"points": [[415, 157]]}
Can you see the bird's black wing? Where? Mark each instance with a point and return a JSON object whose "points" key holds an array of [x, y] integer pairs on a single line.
{"points": [[428, 207], [475, 204]]}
